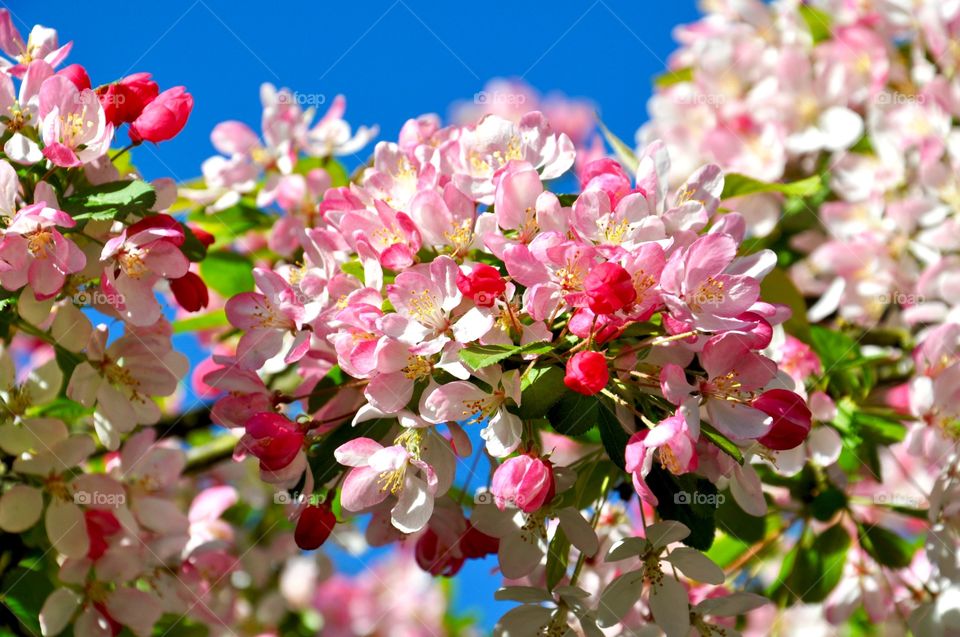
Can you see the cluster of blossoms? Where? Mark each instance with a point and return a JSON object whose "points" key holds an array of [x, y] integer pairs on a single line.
{"points": [[103, 531], [445, 304], [858, 102]]}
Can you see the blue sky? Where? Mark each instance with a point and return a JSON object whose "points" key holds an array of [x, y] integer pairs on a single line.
{"points": [[393, 59]]}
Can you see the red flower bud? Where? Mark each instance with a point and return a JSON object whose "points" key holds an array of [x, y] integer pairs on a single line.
{"points": [[476, 544], [164, 117], [314, 526], [124, 101], [435, 557], [76, 74], [274, 439], [791, 419], [100, 525], [609, 288], [190, 291], [202, 235], [525, 482], [484, 284], [587, 373]]}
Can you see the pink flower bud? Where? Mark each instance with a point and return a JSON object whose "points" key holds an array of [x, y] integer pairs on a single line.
{"points": [[164, 117], [124, 101], [483, 285], [314, 526], [791, 419], [587, 373], [609, 288], [525, 482], [76, 74], [273, 439]]}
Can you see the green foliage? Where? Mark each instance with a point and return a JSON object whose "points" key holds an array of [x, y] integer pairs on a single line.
{"points": [[737, 185], [478, 356], [885, 546], [673, 77], [721, 442], [227, 273], [612, 434], [114, 200], [777, 287], [558, 558], [812, 569], [574, 414], [209, 320], [688, 499], [846, 372], [624, 153], [541, 388], [818, 21]]}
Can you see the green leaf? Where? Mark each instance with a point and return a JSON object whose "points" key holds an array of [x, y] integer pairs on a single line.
{"points": [[478, 356], [612, 434], [674, 77], [225, 225], [687, 499], [227, 273], [322, 460], [210, 320], [624, 153], [778, 287], [885, 546], [24, 592], [827, 503], [810, 572], [558, 558], [541, 388], [192, 247], [721, 442], [574, 414], [737, 523], [113, 200], [818, 21], [737, 185]]}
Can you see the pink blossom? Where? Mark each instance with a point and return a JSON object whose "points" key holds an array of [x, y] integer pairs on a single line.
{"points": [[525, 482], [34, 252], [73, 126]]}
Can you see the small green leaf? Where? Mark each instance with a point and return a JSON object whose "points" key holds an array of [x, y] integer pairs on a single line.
{"points": [[612, 434], [558, 558], [885, 546], [113, 200], [227, 273], [210, 320], [737, 185], [623, 152], [478, 356], [192, 247], [541, 388], [687, 499], [674, 77], [818, 21], [778, 287], [721, 442]]}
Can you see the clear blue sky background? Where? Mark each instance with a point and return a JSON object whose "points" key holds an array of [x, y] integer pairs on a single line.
{"points": [[393, 59]]}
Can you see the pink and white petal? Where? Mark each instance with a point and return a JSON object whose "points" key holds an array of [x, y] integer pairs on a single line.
{"points": [[67, 529], [737, 421], [450, 402], [20, 508], [666, 603], [357, 452], [502, 433], [57, 611], [361, 490], [389, 392], [137, 610], [414, 505]]}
